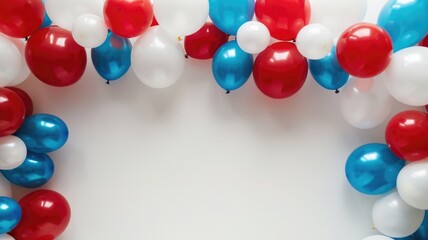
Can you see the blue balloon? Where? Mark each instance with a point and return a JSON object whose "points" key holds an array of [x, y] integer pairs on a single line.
{"points": [[327, 71], [113, 58], [229, 15], [405, 21], [10, 214], [35, 171], [231, 66], [422, 232], [43, 133], [373, 169], [46, 20]]}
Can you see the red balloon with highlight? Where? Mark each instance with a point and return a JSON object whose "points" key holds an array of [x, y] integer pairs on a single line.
{"points": [[12, 112]]}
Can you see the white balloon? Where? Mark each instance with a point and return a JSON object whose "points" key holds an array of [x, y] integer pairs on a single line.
{"points": [[314, 41], [12, 152], [157, 59], [365, 103], [64, 12], [406, 76], [378, 237], [253, 37], [24, 72], [5, 187], [181, 17], [6, 237], [10, 61], [412, 184], [89, 31], [395, 218]]}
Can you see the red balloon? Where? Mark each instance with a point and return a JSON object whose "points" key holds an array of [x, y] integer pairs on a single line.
{"points": [[26, 99], [154, 22], [128, 18], [426, 107], [45, 215], [12, 112], [364, 50], [280, 70], [283, 18], [204, 43], [54, 57], [407, 135], [424, 42], [21, 18]]}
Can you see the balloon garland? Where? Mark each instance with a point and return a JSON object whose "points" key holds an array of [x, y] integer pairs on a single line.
{"points": [[382, 58]]}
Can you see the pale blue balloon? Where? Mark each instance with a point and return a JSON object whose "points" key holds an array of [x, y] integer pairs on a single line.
{"points": [[229, 15]]}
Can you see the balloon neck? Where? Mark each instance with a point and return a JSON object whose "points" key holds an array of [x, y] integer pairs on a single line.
{"points": [[186, 55], [26, 38], [227, 91], [108, 82], [337, 91]]}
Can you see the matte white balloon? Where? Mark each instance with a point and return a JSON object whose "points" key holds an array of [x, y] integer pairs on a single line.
{"points": [[412, 184], [314, 41], [378, 237], [24, 72], [5, 187], [10, 61], [157, 59], [365, 103], [253, 37], [89, 31], [395, 218], [6, 237], [12, 152], [406, 76]]}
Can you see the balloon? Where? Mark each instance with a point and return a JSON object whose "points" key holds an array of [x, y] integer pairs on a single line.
{"points": [[21, 18], [128, 18], [5, 187], [113, 58], [45, 215], [10, 61], [154, 22], [10, 214], [26, 99], [89, 30], [231, 66], [377, 237], [6, 237], [24, 71], [314, 41], [229, 15], [46, 19], [424, 42], [365, 102], [412, 184], [280, 71], [407, 135], [426, 107], [373, 169], [405, 21], [283, 18], [364, 50], [157, 59], [12, 152], [204, 43], [253, 37], [43, 133], [422, 232], [405, 78], [54, 57], [12, 111], [393, 217]]}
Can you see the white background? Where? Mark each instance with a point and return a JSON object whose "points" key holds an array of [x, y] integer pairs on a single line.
{"points": [[192, 163]]}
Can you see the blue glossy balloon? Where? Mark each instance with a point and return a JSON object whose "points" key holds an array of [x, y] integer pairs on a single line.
{"points": [[10, 214], [43, 133], [422, 232], [35, 171], [113, 58], [405, 21], [327, 71], [46, 20], [231, 66], [373, 169], [229, 15]]}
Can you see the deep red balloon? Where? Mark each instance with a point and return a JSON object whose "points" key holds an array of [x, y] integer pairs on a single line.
{"points": [[407, 135], [12, 112], [283, 18], [364, 50], [426, 107], [54, 57], [204, 43], [26, 99], [154, 22], [45, 215], [128, 18], [280, 70], [21, 18], [424, 42]]}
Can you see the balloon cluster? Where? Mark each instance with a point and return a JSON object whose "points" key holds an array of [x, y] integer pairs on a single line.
{"points": [[276, 41]]}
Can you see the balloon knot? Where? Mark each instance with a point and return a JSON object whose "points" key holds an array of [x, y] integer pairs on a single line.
{"points": [[337, 91], [227, 91], [186, 55], [108, 82], [26, 38]]}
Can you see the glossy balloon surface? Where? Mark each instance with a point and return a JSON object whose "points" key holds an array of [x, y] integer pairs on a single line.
{"points": [[229, 15], [21, 18], [10, 214], [12, 111]]}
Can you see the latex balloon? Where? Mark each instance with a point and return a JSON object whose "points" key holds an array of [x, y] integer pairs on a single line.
{"points": [[24, 71], [426, 107], [113, 58], [314, 41], [54, 57], [364, 50], [5, 187], [422, 232], [405, 21], [21, 18], [229, 15], [204, 43], [231, 66], [407, 135], [378, 237], [283, 18], [424, 42], [10, 214], [412, 184], [393, 217], [12, 112], [6, 237], [45, 215], [12, 152], [89, 30], [365, 103], [128, 18], [280, 70], [157, 59], [405, 78], [46, 19], [26, 99], [253, 37], [10, 61]]}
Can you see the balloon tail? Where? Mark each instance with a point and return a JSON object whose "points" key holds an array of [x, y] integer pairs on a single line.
{"points": [[186, 55], [108, 82], [227, 91], [337, 91]]}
